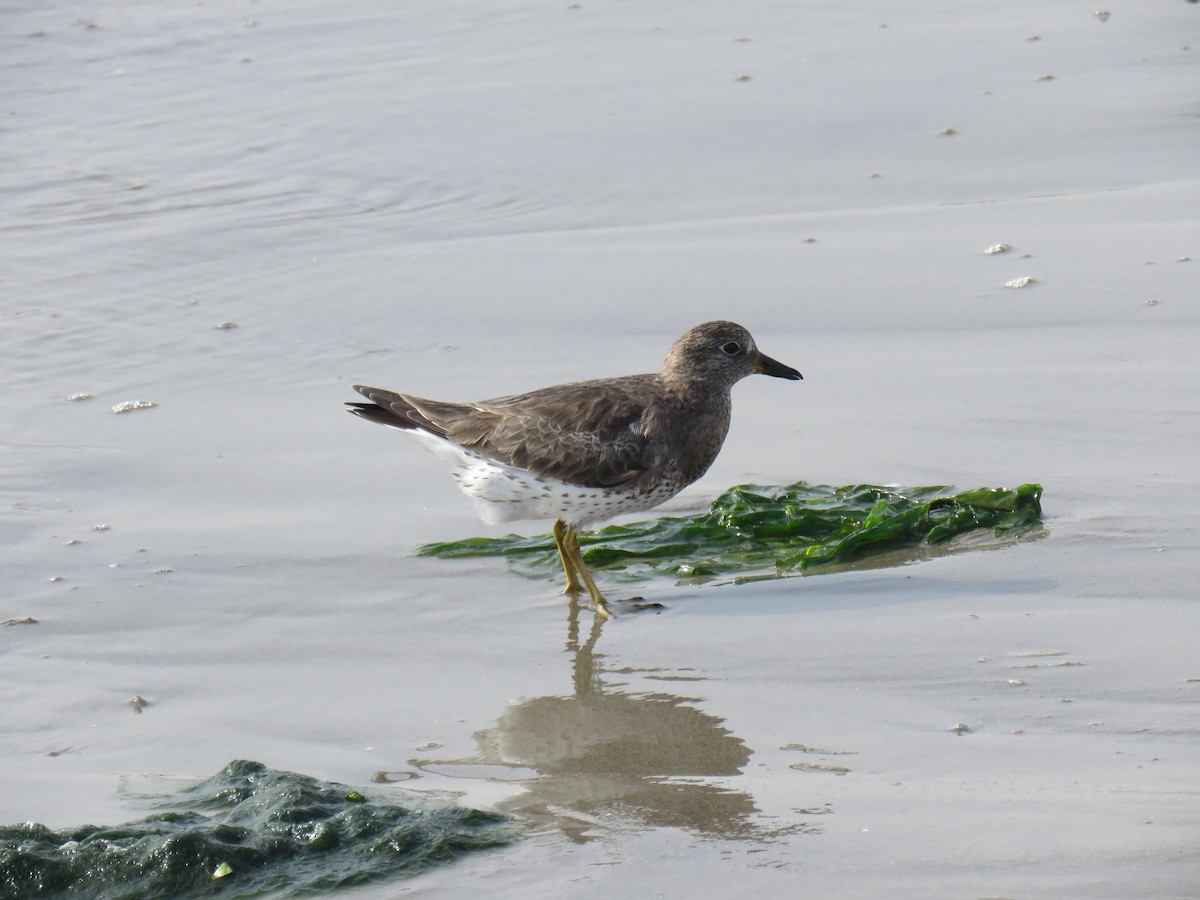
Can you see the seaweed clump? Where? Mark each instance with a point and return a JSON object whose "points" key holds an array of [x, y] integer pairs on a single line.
{"points": [[787, 530], [248, 830]]}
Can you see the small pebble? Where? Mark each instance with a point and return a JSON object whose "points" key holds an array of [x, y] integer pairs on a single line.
{"points": [[225, 326], [997, 248], [1020, 282], [80, 397], [130, 405]]}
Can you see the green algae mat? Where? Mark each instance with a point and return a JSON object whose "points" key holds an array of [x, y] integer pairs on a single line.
{"points": [[248, 831], [763, 531]]}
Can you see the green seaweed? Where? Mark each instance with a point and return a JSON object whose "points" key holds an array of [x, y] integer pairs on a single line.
{"points": [[783, 530], [247, 831]]}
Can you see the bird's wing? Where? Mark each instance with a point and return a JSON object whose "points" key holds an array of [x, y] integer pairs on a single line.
{"points": [[591, 434]]}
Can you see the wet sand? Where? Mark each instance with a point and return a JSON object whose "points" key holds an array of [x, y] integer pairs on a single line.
{"points": [[462, 202]]}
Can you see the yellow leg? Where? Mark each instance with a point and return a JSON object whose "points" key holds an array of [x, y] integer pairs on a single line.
{"points": [[572, 541], [561, 537], [572, 559]]}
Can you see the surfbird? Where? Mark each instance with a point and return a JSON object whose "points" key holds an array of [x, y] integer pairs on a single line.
{"points": [[584, 452]]}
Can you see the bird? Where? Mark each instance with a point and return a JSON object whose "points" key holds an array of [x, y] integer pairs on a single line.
{"points": [[584, 452]]}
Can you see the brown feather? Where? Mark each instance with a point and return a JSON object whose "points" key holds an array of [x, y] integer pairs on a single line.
{"points": [[640, 431]]}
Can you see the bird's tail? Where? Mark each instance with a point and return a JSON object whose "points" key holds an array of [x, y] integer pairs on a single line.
{"points": [[392, 409]]}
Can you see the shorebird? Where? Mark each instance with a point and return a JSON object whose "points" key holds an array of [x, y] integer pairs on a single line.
{"points": [[583, 452]]}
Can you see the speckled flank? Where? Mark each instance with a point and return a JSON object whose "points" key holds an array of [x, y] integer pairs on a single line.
{"points": [[505, 494]]}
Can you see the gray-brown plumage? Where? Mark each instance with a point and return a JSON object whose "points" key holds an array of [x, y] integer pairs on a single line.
{"points": [[586, 451]]}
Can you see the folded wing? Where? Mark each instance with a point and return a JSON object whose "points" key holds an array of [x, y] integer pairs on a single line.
{"points": [[571, 432]]}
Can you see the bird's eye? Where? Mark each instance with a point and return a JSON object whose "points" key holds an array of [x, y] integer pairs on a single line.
{"points": [[733, 348]]}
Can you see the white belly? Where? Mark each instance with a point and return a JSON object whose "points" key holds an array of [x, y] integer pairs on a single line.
{"points": [[505, 494]]}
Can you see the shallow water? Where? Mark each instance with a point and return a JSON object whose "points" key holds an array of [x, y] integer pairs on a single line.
{"points": [[464, 201]]}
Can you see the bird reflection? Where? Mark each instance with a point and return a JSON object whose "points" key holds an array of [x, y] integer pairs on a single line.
{"points": [[601, 756]]}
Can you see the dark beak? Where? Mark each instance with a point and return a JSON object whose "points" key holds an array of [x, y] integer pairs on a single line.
{"points": [[767, 366]]}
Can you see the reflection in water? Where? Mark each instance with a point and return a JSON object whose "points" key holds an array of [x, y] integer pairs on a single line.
{"points": [[611, 757]]}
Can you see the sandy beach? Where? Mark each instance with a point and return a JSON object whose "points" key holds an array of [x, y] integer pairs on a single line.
{"points": [[234, 211]]}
